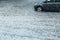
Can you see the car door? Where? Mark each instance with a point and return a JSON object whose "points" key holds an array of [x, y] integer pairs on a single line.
{"points": [[49, 6], [57, 6]]}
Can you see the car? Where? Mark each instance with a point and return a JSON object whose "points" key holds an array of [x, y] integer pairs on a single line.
{"points": [[48, 5]]}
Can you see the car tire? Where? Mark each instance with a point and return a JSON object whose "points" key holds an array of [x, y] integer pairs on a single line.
{"points": [[39, 9]]}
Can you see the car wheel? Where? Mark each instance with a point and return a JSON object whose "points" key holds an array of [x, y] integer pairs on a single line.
{"points": [[39, 9]]}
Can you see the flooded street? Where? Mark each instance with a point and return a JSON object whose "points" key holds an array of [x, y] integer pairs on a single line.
{"points": [[20, 22]]}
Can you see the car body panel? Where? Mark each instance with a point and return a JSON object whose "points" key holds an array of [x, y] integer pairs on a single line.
{"points": [[49, 6]]}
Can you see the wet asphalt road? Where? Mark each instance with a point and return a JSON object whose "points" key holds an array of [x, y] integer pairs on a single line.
{"points": [[18, 22]]}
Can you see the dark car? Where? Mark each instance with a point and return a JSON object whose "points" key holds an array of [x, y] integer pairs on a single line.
{"points": [[48, 5]]}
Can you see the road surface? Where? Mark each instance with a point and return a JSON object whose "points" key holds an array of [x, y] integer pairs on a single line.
{"points": [[21, 22]]}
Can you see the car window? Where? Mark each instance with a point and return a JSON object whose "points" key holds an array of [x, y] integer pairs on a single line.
{"points": [[57, 0], [48, 1], [51, 1], [54, 0]]}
